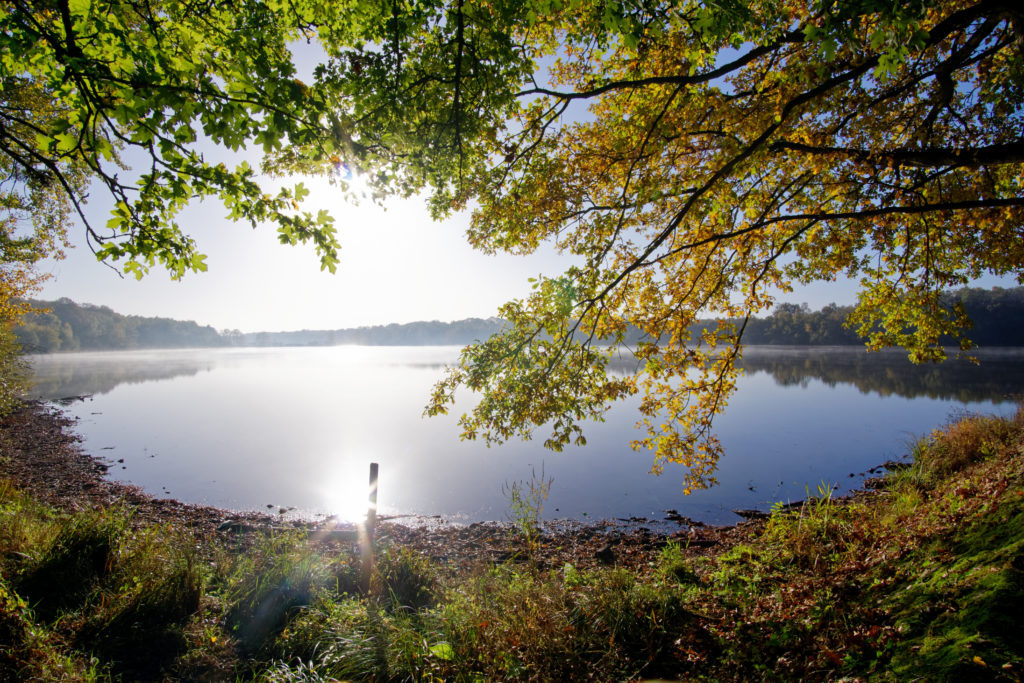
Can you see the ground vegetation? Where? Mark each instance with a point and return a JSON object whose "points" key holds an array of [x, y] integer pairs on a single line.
{"points": [[921, 576]]}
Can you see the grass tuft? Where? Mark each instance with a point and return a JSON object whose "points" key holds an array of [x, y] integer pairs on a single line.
{"points": [[968, 440], [404, 579], [76, 560], [268, 585], [153, 591]]}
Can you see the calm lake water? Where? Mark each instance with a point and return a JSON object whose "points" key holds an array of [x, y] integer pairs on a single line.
{"points": [[297, 427]]}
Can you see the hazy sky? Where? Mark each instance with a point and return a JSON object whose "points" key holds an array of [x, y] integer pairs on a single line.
{"points": [[397, 265]]}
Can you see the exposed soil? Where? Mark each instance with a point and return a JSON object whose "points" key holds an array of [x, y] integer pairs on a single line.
{"points": [[40, 453]]}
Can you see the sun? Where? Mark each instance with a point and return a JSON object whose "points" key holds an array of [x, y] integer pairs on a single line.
{"points": [[346, 495]]}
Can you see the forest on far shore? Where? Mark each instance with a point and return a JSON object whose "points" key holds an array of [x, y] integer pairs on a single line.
{"points": [[63, 325]]}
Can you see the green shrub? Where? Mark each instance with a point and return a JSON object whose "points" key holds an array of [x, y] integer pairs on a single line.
{"points": [[14, 371], [513, 623], [672, 565]]}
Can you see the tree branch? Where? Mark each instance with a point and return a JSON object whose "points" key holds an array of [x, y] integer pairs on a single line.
{"points": [[681, 80], [964, 205], [970, 157]]}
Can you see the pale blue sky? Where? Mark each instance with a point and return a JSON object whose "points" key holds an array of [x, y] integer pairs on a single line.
{"points": [[397, 265]]}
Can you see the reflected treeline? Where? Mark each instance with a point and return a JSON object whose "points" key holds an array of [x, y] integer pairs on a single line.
{"points": [[63, 376], [999, 377]]}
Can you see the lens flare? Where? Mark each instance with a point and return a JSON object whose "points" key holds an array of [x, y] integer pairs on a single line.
{"points": [[345, 495]]}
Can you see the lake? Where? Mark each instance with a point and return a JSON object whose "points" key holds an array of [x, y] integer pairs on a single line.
{"points": [[250, 428]]}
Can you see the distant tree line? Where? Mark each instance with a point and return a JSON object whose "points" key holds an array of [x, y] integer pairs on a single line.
{"points": [[433, 333], [67, 326], [997, 314]]}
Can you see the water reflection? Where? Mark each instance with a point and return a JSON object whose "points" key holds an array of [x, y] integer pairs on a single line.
{"points": [[998, 377], [59, 376], [248, 428]]}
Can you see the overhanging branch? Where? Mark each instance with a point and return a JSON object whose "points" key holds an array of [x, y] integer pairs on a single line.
{"points": [[969, 157]]}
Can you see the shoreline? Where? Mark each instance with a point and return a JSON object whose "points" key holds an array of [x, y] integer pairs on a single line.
{"points": [[922, 577], [41, 454]]}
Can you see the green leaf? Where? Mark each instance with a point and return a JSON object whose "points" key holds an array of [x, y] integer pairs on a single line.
{"points": [[65, 142], [134, 268], [443, 651]]}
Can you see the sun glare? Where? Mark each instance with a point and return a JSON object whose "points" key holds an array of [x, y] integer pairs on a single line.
{"points": [[346, 494], [348, 178]]}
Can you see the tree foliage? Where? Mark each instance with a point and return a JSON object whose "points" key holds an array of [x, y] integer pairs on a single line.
{"points": [[135, 92], [142, 92], [726, 153], [145, 103]]}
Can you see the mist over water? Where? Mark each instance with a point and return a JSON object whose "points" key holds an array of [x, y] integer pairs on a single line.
{"points": [[297, 427]]}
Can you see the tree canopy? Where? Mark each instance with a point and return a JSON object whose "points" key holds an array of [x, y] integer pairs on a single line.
{"points": [[136, 93], [727, 152], [692, 158]]}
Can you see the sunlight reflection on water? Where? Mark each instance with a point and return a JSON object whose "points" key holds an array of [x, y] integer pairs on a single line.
{"points": [[298, 427]]}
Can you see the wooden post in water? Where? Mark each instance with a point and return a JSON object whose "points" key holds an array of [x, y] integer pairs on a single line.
{"points": [[369, 530]]}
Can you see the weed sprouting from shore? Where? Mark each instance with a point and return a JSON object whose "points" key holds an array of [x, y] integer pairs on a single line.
{"points": [[526, 505]]}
